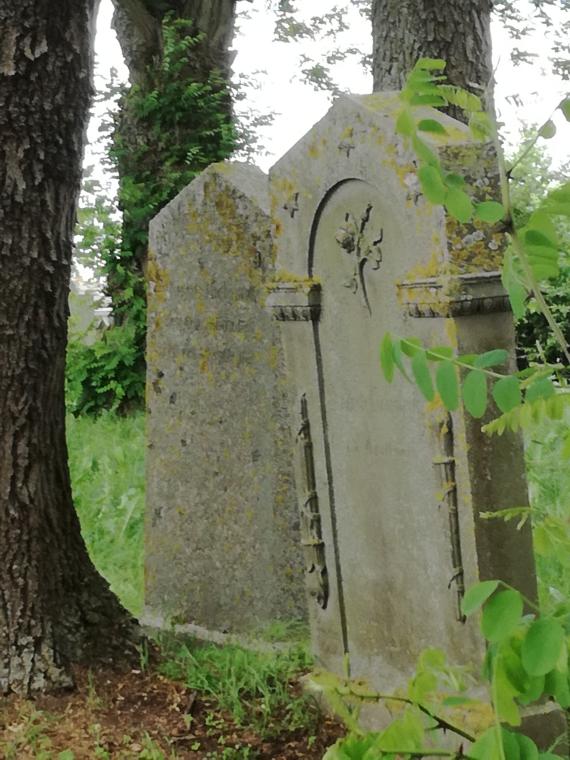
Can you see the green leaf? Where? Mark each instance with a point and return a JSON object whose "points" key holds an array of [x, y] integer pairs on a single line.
{"points": [[425, 154], [489, 211], [548, 130], [428, 99], [501, 615], [410, 346], [556, 685], [447, 385], [510, 743], [561, 193], [515, 289], [505, 705], [461, 98], [432, 658], [510, 662], [458, 204], [541, 646], [430, 64], [475, 393], [432, 184], [527, 748], [491, 358], [542, 388], [477, 595], [543, 260], [439, 353], [535, 237], [422, 375], [405, 124], [480, 125], [565, 108], [541, 221], [454, 180], [488, 746], [387, 357], [398, 359], [533, 691], [432, 125], [507, 393]]}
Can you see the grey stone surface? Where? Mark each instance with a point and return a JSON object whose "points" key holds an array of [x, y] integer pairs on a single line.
{"points": [[397, 485], [222, 533]]}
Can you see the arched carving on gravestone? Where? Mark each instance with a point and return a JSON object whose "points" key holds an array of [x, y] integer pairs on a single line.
{"points": [[311, 532], [356, 238]]}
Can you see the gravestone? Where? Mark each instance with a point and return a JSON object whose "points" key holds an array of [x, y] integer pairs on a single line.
{"points": [[391, 488], [222, 551]]}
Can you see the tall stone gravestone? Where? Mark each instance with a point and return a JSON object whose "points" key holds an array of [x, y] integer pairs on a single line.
{"points": [[222, 552], [392, 489]]}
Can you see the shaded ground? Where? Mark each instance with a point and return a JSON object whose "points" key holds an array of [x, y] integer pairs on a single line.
{"points": [[142, 715]]}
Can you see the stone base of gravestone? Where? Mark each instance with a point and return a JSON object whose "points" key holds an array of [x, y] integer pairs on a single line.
{"points": [[223, 551]]}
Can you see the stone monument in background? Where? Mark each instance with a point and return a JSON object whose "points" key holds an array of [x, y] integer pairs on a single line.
{"points": [[222, 549]]}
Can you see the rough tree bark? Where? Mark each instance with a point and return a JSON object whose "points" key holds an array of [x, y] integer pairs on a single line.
{"points": [[138, 24], [138, 27], [55, 609], [456, 30]]}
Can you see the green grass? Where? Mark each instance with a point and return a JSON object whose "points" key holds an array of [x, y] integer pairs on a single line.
{"points": [[106, 458], [255, 688]]}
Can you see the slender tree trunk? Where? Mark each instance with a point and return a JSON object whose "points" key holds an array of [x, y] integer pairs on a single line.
{"points": [[54, 607], [456, 30], [139, 31]]}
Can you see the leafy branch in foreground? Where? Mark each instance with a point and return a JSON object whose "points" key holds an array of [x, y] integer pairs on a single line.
{"points": [[527, 660], [522, 397], [532, 257], [535, 249]]}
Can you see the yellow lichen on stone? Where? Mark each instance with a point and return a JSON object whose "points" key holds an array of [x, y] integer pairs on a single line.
{"points": [[157, 277], [211, 324], [313, 150], [282, 276]]}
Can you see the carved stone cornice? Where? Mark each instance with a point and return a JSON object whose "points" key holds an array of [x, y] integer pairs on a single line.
{"points": [[454, 295], [294, 301]]}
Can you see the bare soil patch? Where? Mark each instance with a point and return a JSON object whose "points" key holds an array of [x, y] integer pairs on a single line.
{"points": [[134, 714]]}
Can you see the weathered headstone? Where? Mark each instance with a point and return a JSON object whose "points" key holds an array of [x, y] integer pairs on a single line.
{"points": [[392, 488], [222, 551]]}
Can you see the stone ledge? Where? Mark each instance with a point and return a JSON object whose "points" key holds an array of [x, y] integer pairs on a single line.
{"points": [[294, 301], [454, 295]]}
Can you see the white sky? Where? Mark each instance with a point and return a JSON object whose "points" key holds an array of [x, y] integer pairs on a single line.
{"points": [[298, 106]]}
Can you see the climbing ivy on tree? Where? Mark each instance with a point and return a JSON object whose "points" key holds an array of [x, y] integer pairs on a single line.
{"points": [[168, 128]]}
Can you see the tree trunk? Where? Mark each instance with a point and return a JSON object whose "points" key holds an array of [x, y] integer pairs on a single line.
{"points": [[173, 122], [138, 27], [54, 607], [456, 30]]}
